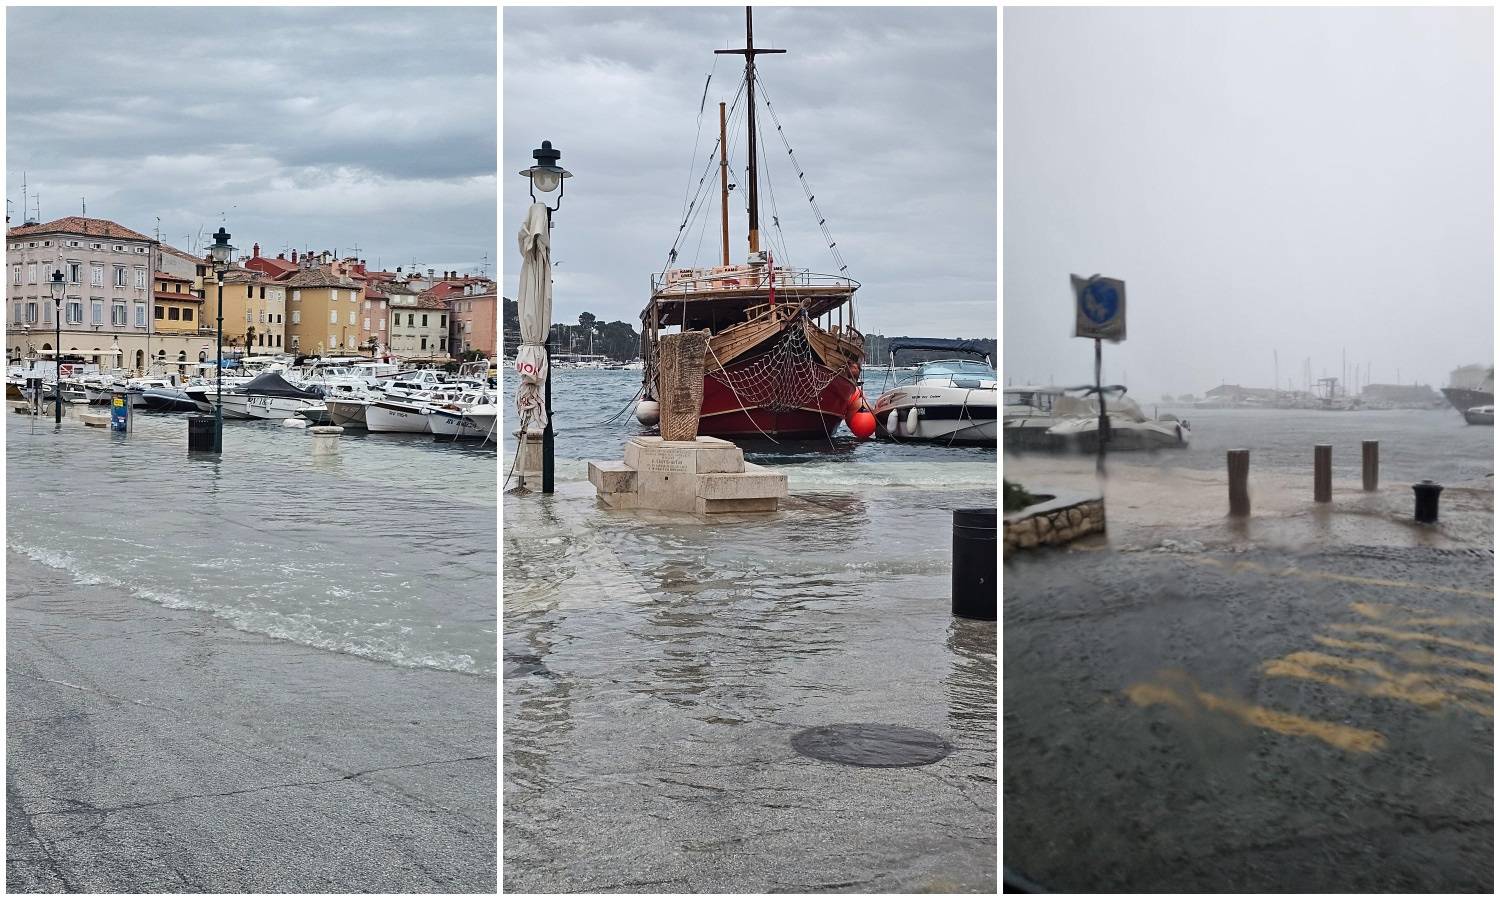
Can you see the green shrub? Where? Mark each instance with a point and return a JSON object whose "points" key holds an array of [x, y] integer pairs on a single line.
{"points": [[1016, 497]]}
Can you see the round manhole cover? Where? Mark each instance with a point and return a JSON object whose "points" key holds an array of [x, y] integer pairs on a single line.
{"points": [[865, 744]]}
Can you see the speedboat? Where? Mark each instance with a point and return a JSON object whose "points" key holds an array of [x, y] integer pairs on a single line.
{"points": [[1077, 426], [449, 419], [1028, 415], [1480, 415], [951, 401], [266, 396]]}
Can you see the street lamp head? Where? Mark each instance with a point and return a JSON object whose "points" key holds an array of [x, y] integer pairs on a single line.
{"points": [[546, 175], [57, 287], [221, 250]]}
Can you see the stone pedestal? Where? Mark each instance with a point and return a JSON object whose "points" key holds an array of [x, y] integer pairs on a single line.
{"points": [[529, 460], [702, 476]]}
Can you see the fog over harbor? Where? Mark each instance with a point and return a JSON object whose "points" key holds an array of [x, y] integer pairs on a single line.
{"points": [[1308, 183]]}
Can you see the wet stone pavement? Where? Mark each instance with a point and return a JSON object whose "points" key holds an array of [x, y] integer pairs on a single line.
{"points": [[656, 673], [1253, 721]]}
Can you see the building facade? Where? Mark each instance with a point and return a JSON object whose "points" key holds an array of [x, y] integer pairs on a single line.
{"points": [[474, 321], [419, 325], [322, 312], [107, 301]]}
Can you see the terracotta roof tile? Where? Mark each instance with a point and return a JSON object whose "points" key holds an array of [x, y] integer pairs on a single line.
{"points": [[319, 278], [79, 225]]}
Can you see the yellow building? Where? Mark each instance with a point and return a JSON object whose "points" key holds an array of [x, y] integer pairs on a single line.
{"points": [[254, 310], [323, 312], [177, 310]]}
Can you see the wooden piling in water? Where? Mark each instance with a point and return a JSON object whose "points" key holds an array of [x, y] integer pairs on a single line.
{"points": [[1371, 459], [1239, 482], [1322, 473]]}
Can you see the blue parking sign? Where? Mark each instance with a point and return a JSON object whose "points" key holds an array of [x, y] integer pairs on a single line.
{"points": [[1100, 306]]}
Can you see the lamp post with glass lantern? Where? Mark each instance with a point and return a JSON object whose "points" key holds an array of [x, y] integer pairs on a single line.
{"points": [[222, 254], [547, 176], [58, 288]]}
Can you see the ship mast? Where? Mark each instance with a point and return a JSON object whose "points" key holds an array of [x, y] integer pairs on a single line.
{"points": [[749, 51], [723, 186]]}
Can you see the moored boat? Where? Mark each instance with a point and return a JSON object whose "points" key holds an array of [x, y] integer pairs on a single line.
{"points": [[948, 401], [781, 361], [1480, 415]]}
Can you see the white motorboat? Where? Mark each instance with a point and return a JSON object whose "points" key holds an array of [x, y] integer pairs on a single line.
{"points": [[347, 411], [1077, 426], [1480, 415], [398, 412], [450, 420], [1028, 415], [482, 419], [951, 401], [266, 396]]}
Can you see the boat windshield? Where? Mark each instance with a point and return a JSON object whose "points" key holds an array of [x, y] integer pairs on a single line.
{"points": [[947, 367]]}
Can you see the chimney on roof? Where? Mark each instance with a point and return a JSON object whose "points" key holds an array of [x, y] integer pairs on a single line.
{"points": [[431, 272], [294, 256], [255, 251], [398, 270]]}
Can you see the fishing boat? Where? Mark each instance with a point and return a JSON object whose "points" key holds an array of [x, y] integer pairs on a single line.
{"points": [[950, 401], [449, 419], [266, 396], [482, 419], [782, 360]]}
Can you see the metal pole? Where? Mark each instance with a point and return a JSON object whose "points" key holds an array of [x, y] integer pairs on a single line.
{"points": [[56, 368], [219, 375], [547, 400], [1099, 385]]}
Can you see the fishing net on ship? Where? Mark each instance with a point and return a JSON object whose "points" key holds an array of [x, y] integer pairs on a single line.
{"points": [[789, 376]]}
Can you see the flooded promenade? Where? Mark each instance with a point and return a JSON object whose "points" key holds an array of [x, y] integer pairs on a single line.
{"points": [[657, 669], [1298, 700], [260, 672]]}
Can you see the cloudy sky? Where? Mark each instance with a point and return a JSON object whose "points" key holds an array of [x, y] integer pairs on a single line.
{"points": [[308, 128], [1289, 181], [891, 111]]}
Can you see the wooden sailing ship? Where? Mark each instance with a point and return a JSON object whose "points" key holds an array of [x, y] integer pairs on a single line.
{"points": [[782, 360]]}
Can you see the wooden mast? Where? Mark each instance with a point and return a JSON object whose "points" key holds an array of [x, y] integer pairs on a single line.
{"points": [[750, 52], [724, 185]]}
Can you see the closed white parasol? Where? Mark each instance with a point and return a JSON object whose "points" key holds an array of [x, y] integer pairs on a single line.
{"points": [[534, 305]]}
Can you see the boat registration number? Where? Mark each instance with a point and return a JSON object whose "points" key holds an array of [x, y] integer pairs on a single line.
{"points": [[262, 402]]}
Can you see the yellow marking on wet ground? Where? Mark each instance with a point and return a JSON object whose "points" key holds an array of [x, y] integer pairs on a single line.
{"points": [[1424, 697], [1400, 681], [1188, 698], [1397, 635], [1414, 657], [1294, 572]]}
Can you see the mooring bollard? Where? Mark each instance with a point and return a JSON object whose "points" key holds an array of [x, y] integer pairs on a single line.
{"points": [[1371, 451], [1322, 473], [325, 439], [976, 587], [1427, 501], [201, 434], [1239, 482]]}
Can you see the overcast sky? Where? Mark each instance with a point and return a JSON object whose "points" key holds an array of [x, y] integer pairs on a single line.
{"points": [[891, 111], [1290, 180], [311, 128]]}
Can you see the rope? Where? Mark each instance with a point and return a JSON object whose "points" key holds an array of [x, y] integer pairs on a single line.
{"points": [[743, 404], [698, 195], [802, 177]]}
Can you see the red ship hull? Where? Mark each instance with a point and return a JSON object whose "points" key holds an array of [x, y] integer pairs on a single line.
{"points": [[726, 416]]}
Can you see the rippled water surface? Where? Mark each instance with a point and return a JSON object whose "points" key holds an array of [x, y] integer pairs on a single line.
{"points": [[385, 551], [643, 653]]}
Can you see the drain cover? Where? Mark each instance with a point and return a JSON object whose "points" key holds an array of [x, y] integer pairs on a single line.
{"points": [[866, 744]]}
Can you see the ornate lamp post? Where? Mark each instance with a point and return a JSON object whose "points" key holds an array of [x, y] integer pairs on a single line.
{"points": [[58, 288], [547, 176], [222, 254]]}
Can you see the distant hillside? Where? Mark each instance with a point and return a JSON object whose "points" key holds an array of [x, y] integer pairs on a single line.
{"points": [[878, 354]]}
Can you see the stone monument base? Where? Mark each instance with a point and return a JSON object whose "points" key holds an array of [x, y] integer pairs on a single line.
{"points": [[529, 460], [703, 476]]}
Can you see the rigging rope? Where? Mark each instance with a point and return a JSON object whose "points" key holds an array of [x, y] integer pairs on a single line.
{"points": [[787, 377], [698, 195], [812, 201]]}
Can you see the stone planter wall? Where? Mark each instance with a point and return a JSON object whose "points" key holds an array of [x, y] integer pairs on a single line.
{"points": [[1057, 522]]}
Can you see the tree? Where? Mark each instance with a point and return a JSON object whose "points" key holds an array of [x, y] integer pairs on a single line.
{"points": [[587, 320]]}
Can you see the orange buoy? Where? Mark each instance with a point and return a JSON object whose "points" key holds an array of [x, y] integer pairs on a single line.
{"points": [[856, 403], [862, 423]]}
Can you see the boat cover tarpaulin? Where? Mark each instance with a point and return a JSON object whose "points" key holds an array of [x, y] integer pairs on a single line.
{"points": [[270, 384], [957, 345], [534, 308]]}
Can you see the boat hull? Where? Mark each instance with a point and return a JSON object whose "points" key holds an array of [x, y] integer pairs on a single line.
{"points": [[388, 419], [1468, 398], [261, 406], [454, 425], [944, 415], [1480, 415], [346, 413]]}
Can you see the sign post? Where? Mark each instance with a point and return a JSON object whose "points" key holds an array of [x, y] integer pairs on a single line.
{"points": [[1099, 314]]}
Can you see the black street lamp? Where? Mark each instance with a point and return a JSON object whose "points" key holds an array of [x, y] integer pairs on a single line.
{"points": [[58, 288], [222, 254], [547, 176]]}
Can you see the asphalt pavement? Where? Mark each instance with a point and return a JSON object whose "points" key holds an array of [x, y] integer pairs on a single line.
{"points": [[1250, 721], [152, 750]]}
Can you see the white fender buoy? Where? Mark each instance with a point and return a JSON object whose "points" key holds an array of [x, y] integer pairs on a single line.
{"points": [[890, 421], [911, 421], [294, 422], [648, 412]]}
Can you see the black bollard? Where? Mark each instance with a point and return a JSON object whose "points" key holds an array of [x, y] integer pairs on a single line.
{"points": [[976, 587], [1427, 501], [1239, 482], [201, 433], [1322, 473]]}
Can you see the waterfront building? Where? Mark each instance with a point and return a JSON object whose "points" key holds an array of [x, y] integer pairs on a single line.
{"points": [[180, 333], [374, 315], [106, 309], [419, 325], [473, 318], [322, 310]]}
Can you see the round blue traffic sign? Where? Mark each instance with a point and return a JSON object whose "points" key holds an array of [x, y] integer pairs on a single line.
{"points": [[1101, 302]]}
